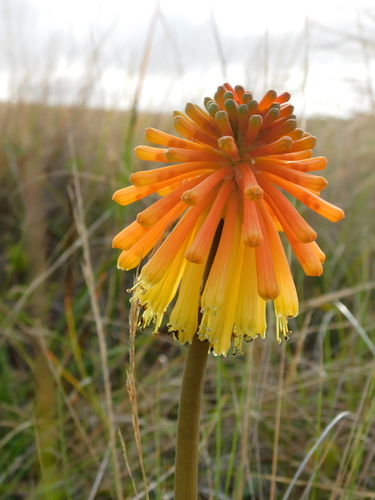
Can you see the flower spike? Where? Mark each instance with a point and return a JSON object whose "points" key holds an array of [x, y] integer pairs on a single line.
{"points": [[215, 229]]}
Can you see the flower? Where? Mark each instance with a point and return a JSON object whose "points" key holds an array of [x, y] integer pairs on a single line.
{"points": [[215, 230]]}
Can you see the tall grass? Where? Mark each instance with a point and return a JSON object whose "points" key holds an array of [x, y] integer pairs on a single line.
{"points": [[62, 403]]}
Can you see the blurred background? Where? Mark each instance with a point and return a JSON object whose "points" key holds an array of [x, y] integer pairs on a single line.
{"points": [[79, 82]]}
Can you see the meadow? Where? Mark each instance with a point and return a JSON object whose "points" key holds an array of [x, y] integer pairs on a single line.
{"points": [[289, 421]]}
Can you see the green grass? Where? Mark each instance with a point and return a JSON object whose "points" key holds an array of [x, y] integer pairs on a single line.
{"points": [[55, 433]]}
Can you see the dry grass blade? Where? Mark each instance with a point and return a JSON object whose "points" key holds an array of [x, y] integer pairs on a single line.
{"points": [[126, 458], [361, 332], [131, 388], [90, 281], [337, 419], [277, 422], [327, 298], [100, 474]]}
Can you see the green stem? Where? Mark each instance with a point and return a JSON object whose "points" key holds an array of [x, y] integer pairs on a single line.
{"points": [[187, 455]]}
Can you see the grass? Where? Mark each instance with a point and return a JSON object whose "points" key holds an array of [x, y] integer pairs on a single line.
{"points": [[70, 375]]}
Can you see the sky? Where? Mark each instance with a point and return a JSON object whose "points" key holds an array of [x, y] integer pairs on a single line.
{"points": [[109, 53]]}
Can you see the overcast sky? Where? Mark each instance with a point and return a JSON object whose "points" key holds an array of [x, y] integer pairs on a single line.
{"points": [[92, 50]]}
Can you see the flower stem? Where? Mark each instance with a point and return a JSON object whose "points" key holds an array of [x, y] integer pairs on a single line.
{"points": [[189, 413], [186, 473]]}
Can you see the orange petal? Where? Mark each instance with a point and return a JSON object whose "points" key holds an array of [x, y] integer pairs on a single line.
{"points": [[222, 119], [164, 139], [153, 213], [198, 250], [284, 144], [280, 204], [267, 100], [129, 236], [284, 97], [154, 270], [268, 288], [299, 155], [322, 207], [243, 120], [130, 259], [308, 181], [272, 115], [150, 154], [187, 128], [184, 155], [170, 172], [251, 232], [214, 292], [286, 304], [229, 146], [254, 124], [284, 129], [204, 121], [199, 193], [302, 144], [303, 165], [250, 185]]}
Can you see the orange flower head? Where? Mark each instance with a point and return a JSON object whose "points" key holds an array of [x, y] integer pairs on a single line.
{"points": [[215, 229]]}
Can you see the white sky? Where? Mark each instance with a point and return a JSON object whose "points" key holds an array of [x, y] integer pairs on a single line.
{"points": [[323, 51]]}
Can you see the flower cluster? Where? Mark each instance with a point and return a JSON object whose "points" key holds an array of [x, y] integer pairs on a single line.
{"points": [[215, 229]]}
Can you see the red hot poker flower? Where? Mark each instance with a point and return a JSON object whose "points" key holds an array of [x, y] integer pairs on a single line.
{"points": [[223, 187]]}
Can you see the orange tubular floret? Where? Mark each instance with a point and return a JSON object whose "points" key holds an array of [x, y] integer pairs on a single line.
{"points": [[239, 92], [283, 144], [171, 173], [318, 252], [130, 194], [214, 291], [199, 193], [311, 200], [251, 232], [157, 266], [279, 204], [267, 100], [131, 258], [270, 117], [198, 250], [299, 155], [284, 97], [184, 155], [219, 96], [229, 146], [190, 130], [152, 214], [302, 144], [308, 181], [268, 288], [281, 121], [150, 154], [284, 129], [286, 304], [285, 109], [307, 256], [253, 127], [243, 120], [126, 238], [304, 165], [296, 134], [222, 119], [229, 87], [251, 188], [204, 121], [164, 139]]}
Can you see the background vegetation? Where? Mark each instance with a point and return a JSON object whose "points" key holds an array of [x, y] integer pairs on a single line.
{"points": [[88, 411]]}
